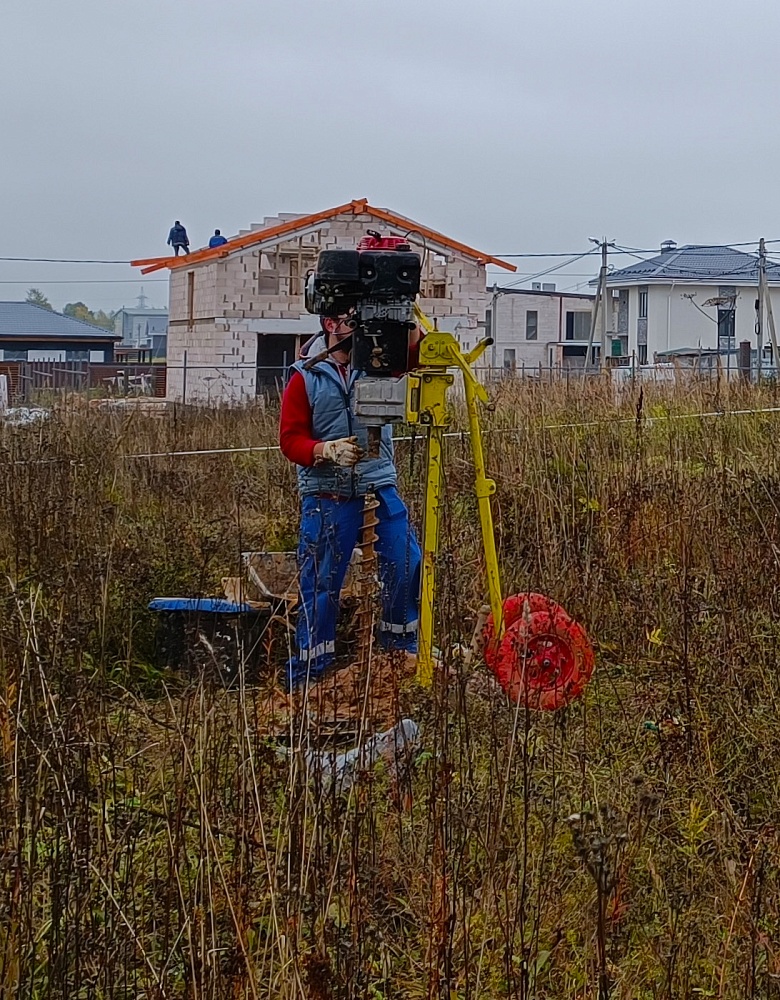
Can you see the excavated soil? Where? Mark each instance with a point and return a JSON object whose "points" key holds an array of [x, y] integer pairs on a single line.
{"points": [[372, 696]]}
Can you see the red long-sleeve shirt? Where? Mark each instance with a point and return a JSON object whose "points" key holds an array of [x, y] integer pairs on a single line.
{"points": [[296, 438], [295, 432]]}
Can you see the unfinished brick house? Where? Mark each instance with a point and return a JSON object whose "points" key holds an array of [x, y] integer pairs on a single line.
{"points": [[236, 312]]}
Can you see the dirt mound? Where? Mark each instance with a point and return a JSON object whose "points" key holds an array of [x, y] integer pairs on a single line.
{"points": [[369, 696]]}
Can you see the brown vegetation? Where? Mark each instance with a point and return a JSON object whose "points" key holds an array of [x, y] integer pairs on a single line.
{"points": [[154, 843]]}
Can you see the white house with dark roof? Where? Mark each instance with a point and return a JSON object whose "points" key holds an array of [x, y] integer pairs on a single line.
{"points": [[688, 297]]}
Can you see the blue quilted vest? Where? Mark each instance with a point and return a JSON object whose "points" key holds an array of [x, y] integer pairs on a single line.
{"points": [[333, 417]]}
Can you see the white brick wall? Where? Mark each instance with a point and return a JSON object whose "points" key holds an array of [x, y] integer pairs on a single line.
{"points": [[228, 292], [510, 326], [221, 361]]}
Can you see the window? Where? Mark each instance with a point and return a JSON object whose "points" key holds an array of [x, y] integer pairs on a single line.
{"points": [[267, 283], [578, 325], [641, 353], [726, 316], [531, 324], [726, 332], [642, 303], [439, 290], [510, 362], [299, 268], [295, 277]]}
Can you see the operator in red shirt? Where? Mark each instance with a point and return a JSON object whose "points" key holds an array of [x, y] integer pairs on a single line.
{"points": [[321, 434]]}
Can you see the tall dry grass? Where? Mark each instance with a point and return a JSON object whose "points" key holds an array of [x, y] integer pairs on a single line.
{"points": [[154, 844]]}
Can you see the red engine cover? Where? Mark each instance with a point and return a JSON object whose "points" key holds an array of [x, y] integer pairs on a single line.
{"points": [[374, 241]]}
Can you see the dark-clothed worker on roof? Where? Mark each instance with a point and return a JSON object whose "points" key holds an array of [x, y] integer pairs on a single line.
{"points": [[178, 238]]}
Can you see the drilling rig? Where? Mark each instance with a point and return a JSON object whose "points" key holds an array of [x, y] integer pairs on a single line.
{"points": [[540, 655]]}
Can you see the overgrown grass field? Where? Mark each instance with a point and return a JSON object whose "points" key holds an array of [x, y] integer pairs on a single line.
{"points": [[154, 844]]}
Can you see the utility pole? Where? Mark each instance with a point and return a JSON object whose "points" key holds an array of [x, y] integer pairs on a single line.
{"points": [[603, 355], [494, 327], [593, 318], [760, 309], [766, 300], [599, 308]]}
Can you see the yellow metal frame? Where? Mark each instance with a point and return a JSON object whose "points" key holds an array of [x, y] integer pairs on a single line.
{"points": [[427, 405]]}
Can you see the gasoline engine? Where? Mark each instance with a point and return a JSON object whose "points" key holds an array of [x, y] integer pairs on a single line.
{"points": [[375, 286]]}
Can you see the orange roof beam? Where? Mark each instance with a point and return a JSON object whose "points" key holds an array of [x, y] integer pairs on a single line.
{"points": [[356, 207], [239, 242], [440, 238]]}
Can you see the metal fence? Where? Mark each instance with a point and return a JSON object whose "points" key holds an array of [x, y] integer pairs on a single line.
{"points": [[29, 379], [626, 369]]}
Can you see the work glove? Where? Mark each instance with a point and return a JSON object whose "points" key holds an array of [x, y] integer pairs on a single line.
{"points": [[343, 451]]}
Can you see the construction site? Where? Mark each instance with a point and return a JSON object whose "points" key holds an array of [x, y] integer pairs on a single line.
{"points": [[389, 501], [585, 808], [348, 659]]}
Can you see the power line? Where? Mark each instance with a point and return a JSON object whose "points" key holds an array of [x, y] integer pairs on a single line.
{"points": [[701, 246], [569, 274], [571, 252], [63, 260], [73, 260], [672, 270], [620, 250], [549, 270], [85, 281], [617, 251]]}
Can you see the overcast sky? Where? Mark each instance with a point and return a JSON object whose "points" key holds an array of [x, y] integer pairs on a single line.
{"points": [[512, 125]]}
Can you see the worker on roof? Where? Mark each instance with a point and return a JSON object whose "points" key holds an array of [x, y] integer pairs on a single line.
{"points": [[320, 433], [217, 240], [178, 238]]}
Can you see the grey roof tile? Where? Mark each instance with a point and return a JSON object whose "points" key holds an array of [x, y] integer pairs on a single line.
{"points": [[697, 263], [24, 319]]}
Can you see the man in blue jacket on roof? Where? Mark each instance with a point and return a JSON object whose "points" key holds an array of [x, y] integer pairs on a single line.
{"points": [[178, 238], [321, 434]]}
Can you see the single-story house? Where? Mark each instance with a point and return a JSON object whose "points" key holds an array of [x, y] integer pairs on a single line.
{"points": [[30, 332], [237, 315], [691, 296]]}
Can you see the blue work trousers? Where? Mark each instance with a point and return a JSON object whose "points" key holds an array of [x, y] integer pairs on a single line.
{"points": [[330, 530]]}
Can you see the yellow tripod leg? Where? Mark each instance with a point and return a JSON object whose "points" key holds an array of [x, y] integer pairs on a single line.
{"points": [[430, 549], [484, 489], [427, 404]]}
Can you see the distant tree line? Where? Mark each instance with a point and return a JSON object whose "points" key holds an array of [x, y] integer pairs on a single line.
{"points": [[78, 310]]}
